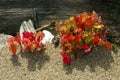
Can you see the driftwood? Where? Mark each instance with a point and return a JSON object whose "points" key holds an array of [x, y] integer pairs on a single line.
{"points": [[36, 22], [52, 24], [13, 12]]}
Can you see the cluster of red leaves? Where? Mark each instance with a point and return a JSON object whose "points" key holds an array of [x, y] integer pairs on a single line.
{"points": [[30, 42], [81, 32]]}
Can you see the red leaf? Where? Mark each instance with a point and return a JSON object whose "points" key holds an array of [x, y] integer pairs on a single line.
{"points": [[10, 40], [13, 48], [88, 50], [64, 39], [40, 35], [12, 45], [17, 38], [42, 46], [37, 42], [89, 22], [78, 38], [78, 19], [108, 45], [96, 40], [85, 47], [66, 60], [92, 19], [70, 37], [26, 44], [29, 35], [67, 38], [82, 27], [63, 54]]}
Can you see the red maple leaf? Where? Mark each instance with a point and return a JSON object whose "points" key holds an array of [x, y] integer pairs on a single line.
{"points": [[13, 48], [86, 48], [70, 37], [78, 19], [10, 40], [78, 38], [42, 46], [37, 42], [108, 45], [12, 45], [90, 22], [40, 35], [63, 54], [96, 40], [26, 43], [66, 60], [82, 27], [17, 38], [67, 38], [29, 35], [64, 39]]}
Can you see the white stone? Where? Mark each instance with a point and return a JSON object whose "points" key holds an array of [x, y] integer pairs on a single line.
{"points": [[3, 40], [48, 37]]}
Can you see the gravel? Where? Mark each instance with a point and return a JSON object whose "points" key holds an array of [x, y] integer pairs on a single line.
{"points": [[100, 64]]}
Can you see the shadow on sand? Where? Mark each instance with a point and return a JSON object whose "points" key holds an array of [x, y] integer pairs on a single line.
{"points": [[35, 60], [97, 58]]}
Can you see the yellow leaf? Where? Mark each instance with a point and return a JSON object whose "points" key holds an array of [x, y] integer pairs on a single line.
{"points": [[84, 16], [99, 26], [71, 19], [33, 47]]}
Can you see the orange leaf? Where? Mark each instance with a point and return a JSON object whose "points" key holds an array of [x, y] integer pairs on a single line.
{"points": [[40, 35], [90, 22], [84, 16], [42, 46], [10, 40], [33, 47], [102, 42], [17, 38], [108, 45], [26, 44], [13, 48]]}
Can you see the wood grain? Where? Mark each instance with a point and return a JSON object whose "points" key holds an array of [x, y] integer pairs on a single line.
{"points": [[13, 12]]}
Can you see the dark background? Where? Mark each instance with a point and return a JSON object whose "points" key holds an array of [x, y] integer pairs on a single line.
{"points": [[13, 12]]}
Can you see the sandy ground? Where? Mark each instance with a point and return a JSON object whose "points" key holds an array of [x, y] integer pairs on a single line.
{"points": [[100, 64]]}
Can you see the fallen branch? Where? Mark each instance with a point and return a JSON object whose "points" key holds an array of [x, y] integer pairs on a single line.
{"points": [[52, 24]]}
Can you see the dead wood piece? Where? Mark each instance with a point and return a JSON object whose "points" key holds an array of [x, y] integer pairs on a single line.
{"points": [[52, 24]]}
